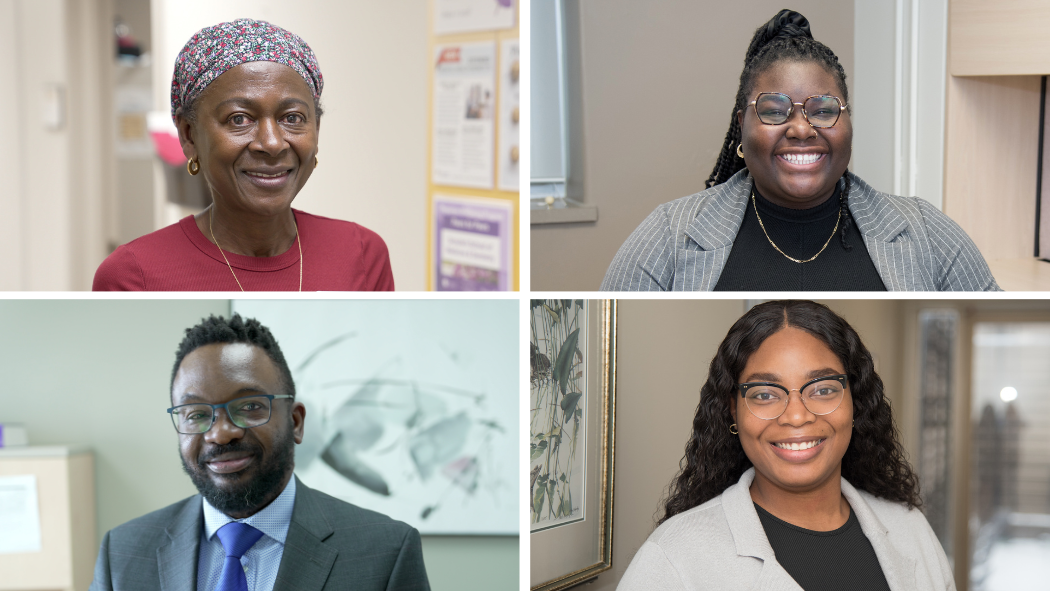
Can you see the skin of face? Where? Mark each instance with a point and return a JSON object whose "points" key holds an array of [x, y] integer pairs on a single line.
{"points": [[791, 357], [255, 118], [228, 459], [798, 186]]}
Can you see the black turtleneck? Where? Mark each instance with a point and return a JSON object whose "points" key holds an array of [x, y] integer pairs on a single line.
{"points": [[754, 265]]}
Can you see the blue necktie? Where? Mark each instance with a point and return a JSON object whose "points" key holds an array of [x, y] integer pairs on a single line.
{"points": [[236, 538]]}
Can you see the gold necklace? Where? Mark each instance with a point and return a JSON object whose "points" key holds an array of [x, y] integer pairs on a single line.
{"points": [[211, 227], [794, 260]]}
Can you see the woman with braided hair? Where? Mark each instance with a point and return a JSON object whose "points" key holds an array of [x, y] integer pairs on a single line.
{"points": [[783, 491], [781, 212]]}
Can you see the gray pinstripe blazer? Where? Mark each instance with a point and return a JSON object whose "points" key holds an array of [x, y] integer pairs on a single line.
{"points": [[330, 545], [722, 545], [683, 245]]}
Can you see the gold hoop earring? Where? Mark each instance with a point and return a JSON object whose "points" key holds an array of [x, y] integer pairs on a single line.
{"points": [[740, 149], [193, 166], [315, 161], [731, 427]]}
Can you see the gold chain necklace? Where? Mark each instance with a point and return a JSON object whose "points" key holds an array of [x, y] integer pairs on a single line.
{"points": [[794, 260], [211, 227]]}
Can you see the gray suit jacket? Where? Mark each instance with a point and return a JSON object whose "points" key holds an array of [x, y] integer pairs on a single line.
{"points": [[331, 545], [683, 245], [722, 545]]}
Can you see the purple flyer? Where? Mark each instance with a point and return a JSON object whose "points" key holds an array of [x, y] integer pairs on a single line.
{"points": [[472, 249]]}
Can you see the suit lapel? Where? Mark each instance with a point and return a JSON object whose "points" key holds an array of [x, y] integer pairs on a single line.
{"points": [[750, 538], [709, 235], [177, 560], [307, 560], [898, 569], [888, 239]]}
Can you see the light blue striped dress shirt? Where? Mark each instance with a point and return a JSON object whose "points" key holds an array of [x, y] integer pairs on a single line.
{"points": [[262, 560]]}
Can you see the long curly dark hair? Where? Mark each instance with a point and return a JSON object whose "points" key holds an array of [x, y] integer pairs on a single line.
{"points": [[714, 459], [785, 37]]}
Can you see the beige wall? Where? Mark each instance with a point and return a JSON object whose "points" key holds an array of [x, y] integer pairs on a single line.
{"points": [[663, 349], [96, 372], [663, 352], [658, 84]]}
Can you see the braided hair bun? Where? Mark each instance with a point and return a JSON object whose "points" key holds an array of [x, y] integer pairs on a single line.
{"points": [[786, 24]]}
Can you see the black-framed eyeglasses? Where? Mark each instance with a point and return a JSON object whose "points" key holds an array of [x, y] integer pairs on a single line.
{"points": [[775, 108], [245, 412], [769, 400]]}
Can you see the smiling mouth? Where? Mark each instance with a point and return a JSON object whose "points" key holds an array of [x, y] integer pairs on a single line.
{"points": [[800, 446], [266, 176], [801, 159], [229, 465]]}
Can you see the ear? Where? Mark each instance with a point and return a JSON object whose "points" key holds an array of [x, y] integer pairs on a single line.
{"points": [[732, 407], [740, 118], [298, 421], [186, 130]]}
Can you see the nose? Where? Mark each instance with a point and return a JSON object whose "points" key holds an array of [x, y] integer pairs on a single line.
{"points": [[796, 414], [223, 430], [798, 126], [269, 138]]}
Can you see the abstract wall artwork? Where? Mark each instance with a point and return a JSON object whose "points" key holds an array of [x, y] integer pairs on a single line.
{"points": [[411, 405], [558, 403]]}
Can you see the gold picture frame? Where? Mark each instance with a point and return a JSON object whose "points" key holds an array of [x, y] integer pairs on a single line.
{"points": [[577, 552]]}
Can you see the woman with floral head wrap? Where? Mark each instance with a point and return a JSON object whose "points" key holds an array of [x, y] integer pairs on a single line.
{"points": [[245, 98]]}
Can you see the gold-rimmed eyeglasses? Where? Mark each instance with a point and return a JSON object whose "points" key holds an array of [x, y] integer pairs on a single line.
{"points": [[769, 400], [820, 111]]}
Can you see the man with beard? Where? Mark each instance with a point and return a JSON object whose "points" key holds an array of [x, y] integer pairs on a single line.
{"points": [[254, 525]]}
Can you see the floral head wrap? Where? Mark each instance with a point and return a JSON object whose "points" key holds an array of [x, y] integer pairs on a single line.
{"points": [[213, 50]]}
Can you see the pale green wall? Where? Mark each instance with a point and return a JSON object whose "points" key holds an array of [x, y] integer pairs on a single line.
{"points": [[96, 372]]}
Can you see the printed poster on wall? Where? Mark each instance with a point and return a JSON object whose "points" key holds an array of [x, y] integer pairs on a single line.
{"points": [[464, 122], [509, 115], [464, 16], [472, 248], [19, 515]]}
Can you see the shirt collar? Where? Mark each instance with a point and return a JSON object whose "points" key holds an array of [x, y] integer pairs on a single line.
{"points": [[272, 521]]}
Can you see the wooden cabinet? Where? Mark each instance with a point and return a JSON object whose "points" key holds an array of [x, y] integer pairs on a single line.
{"points": [[997, 54], [65, 482]]}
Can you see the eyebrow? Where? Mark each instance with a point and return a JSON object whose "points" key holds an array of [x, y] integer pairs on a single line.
{"points": [[247, 101], [239, 393], [773, 377]]}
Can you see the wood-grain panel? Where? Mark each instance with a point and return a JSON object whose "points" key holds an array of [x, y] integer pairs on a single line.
{"points": [[1001, 38], [991, 153]]}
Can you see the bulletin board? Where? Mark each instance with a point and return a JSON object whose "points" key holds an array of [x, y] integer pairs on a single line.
{"points": [[473, 145]]}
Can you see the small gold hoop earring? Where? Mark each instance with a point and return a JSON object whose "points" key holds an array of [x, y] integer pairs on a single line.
{"points": [[315, 161], [731, 427], [193, 166], [740, 149]]}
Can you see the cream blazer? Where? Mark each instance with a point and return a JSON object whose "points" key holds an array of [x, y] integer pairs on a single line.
{"points": [[721, 545]]}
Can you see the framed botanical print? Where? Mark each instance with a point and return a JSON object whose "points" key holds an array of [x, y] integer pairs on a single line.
{"points": [[572, 415]]}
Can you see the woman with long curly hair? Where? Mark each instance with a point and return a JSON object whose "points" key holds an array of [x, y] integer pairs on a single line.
{"points": [[793, 476], [781, 211]]}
